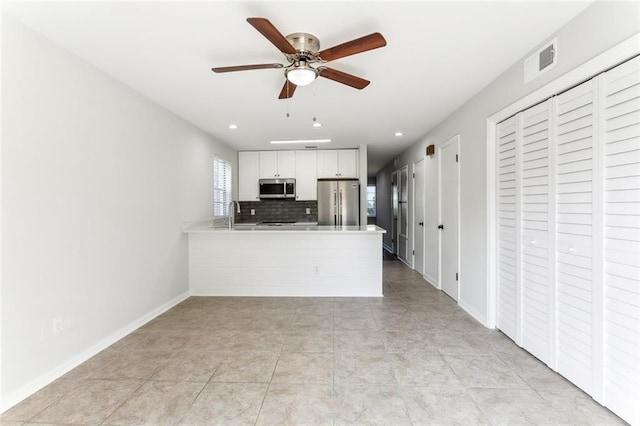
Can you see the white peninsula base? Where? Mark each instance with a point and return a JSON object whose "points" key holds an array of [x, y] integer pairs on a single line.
{"points": [[314, 262]]}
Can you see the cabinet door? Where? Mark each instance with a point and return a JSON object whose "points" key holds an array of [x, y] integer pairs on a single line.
{"points": [[248, 175], [286, 164], [348, 163], [327, 163], [306, 175], [268, 164]]}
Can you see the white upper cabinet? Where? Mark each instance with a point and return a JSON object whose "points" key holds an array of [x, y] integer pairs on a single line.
{"points": [[268, 164], [277, 164], [248, 175], [338, 163], [327, 163], [348, 163], [306, 175]]}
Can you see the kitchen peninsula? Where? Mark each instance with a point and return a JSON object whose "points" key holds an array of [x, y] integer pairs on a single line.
{"points": [[286, 261]]}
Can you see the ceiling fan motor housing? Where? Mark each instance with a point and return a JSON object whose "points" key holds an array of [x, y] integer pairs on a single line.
{"points": [[304, 42]]}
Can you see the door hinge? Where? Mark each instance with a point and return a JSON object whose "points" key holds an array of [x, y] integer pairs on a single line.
{"points": [[456, 158], [413, 252], [456, 276], [414, 175]]}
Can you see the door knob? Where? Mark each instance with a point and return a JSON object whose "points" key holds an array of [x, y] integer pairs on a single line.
{"points": [[440, 226], [421, 223]]}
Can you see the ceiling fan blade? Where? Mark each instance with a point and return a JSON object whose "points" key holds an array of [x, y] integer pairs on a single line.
{"points": [[359, 45], [343, 77], [246, 67], [287, 90], [272, 34]]}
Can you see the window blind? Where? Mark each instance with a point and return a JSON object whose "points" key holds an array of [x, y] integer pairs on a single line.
{"points": [[221, 186]]}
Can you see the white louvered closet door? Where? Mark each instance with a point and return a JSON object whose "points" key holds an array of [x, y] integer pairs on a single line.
{"points": [[574, 237], [621, 169], [508, 229], [569, 235], [535, 206]]}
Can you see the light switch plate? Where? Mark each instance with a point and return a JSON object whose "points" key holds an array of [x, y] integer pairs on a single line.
{"points": [[308, 210], [253, 212]]}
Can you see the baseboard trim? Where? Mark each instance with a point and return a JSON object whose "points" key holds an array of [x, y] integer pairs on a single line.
{"points": [[35, 385], [406, 262], [431, 281], [474, 313]]}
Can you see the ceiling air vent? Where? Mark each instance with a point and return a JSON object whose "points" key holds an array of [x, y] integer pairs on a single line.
{"points": [[541, 61]]}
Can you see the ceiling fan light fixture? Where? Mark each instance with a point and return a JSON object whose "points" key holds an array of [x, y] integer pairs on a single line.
{"points": [[302, 75]]}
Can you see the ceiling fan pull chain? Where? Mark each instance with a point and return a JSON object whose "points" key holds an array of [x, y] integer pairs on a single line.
{"points": [[288, 97]]}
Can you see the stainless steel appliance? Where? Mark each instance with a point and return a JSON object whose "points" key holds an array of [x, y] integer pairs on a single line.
{"points": [[338, 202], [277, 188]]}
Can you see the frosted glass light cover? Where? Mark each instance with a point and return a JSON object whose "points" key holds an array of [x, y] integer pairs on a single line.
{"points": [[301, 76]]}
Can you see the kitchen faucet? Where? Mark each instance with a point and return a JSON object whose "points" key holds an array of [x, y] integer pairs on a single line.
{"points": [[231, 217]]}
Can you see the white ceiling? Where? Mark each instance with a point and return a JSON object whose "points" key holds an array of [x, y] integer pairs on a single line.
{"points": [[438, 55]]}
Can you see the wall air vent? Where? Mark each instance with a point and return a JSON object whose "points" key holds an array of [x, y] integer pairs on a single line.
{"points": [[544, 59]]}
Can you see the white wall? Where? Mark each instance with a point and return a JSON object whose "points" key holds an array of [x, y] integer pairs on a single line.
{"points": [[601, 26], [96, 180]]}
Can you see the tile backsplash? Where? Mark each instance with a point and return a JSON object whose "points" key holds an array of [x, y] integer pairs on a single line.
{"points": [[277, 210]]}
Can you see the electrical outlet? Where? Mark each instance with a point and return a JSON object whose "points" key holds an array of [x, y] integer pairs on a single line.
{"points": [[308, 210], [57, 325], [253, 212]]}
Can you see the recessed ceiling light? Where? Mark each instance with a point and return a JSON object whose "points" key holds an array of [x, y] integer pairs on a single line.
{"points": [[316, 124], [302, 141], [399, 133], [233, 126]]}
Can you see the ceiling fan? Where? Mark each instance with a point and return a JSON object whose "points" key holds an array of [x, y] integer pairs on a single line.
{"points": [[302, 50]]}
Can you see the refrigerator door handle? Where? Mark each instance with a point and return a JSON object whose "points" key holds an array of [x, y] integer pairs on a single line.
{"points": [[340, 208], [335, 208]]}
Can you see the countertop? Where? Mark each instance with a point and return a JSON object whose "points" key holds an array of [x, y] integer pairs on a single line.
{"points": [[206, 227]]}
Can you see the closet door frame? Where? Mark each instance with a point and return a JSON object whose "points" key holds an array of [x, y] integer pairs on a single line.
{"points": [[608, 59]]}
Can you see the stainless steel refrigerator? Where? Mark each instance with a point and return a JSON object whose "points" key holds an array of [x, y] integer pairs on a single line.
{"points": [[339, 202]]}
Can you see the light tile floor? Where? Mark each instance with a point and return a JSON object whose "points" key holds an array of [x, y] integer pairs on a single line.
{"points": [[412, 357]]}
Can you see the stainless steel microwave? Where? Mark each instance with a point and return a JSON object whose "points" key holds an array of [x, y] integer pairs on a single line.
{"points": [[277, 188]]}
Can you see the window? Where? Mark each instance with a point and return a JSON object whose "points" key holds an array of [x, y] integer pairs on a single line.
{"points": [[221, 186], [371, 201]]}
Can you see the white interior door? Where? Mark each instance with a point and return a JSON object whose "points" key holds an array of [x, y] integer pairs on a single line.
{"points": [[418, 217], [575, 202], [394, 213], [621, 243], [508, 191], [537, 296], [403, 214], [449, 209], [431, 252]]}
